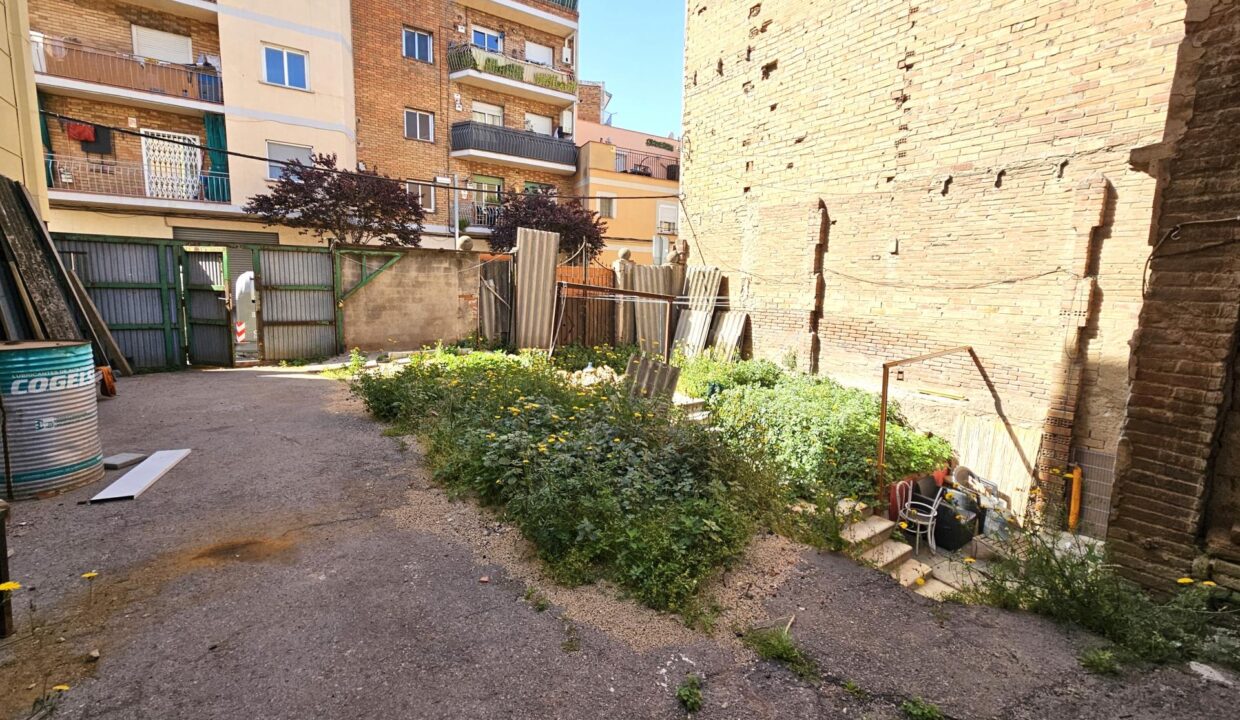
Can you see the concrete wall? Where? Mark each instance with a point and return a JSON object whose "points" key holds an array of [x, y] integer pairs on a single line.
{"points": [[426, 297], [1177, 493], [322, 118], [20, 151], [882, 180]]}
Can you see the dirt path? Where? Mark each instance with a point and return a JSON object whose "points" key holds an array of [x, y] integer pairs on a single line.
{"points": [[299, 564]]}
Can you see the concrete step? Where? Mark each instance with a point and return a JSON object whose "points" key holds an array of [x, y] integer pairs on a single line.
{"points": [[935, 589], [854, 508], [910, 571], [701, 417], [888, 555], [952, 572], [867, 533]]}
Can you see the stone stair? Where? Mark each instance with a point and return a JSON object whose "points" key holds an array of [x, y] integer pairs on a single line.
{"points": [[870, 541]]}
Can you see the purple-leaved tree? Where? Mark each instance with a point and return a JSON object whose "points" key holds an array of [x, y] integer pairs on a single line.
{"points": [[539, 210]]}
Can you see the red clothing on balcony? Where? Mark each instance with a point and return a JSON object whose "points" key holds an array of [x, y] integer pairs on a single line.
{"points": [[80, 131]]}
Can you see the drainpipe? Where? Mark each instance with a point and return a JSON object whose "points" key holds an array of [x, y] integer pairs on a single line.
{"points": [[456, 212]]}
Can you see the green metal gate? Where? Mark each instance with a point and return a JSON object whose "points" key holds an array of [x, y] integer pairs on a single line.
{"points": [[208, 306]]}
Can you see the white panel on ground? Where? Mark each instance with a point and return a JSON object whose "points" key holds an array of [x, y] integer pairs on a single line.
{"points": [[133, 483]]}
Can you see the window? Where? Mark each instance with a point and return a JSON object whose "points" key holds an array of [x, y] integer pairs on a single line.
{"points": [[419, 46], [420, 125], [488, 114], [487, 189], [669, 217], [425, 192], [278, 153], [160, 45], [540, 54], [488, 40], [607, 206], [537, 187], [285, 67], [540, 124]]}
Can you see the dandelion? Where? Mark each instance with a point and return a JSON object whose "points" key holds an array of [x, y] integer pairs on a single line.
{"points": [[615, 440], [904, 526], [960, 518], [10, 586], [949, 496], [1209, 583], [969, 560], [61, 688], [920, 581], [1185, 581]]}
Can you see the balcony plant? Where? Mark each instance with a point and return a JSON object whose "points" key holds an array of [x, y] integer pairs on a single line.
{"points": [[512, 71], [555, 82]]}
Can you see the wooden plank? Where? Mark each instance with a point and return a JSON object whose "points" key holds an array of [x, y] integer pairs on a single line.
{"points": [[103, 335], [23, 230], [136, 481], [122, 460]]}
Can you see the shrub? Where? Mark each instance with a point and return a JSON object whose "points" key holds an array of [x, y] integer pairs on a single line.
{"points": [[605, 486], [1076, 586], [576, 357], [709, 373], [690, 693], [1099, 661], [819, 435], [918, 709]]}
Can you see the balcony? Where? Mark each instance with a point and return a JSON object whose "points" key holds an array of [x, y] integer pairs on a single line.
{"points": [[634, 162], [80, 71], [480, 215], [471, 65], [513, 148], [558, 17], [156, 183], [206, 10]]}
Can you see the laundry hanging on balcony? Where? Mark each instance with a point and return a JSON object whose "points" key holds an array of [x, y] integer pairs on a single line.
{"points": [[82, 132]]}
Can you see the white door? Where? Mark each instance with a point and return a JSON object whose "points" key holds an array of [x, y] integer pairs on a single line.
{"points": [[172, 170], [540, 124], [161, 45], [540, 54]]}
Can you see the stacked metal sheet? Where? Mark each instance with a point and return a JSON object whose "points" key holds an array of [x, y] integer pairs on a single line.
{"points": [[652, 315], [537, 251], [702, 289]]}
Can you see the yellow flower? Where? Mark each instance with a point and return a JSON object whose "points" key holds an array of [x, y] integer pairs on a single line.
{"points": [[1209, 583], [10, 586], [90, 575], [970, 561], [920, 581], [60, 688], [959, 518], [949, 496], [904, 526], [615, 440], [1185, 581]]}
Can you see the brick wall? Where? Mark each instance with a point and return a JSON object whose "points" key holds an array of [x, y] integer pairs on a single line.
{"points": [[1176, 501], [107, 24], [387, 83], [426, 297], [887, 179], [590, 102]]}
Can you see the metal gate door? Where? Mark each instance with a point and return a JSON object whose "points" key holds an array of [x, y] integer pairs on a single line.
{"points": [[208, 306], [297, 305]]}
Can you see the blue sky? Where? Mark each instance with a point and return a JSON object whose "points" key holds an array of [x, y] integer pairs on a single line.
{"points": [[637, 48]]}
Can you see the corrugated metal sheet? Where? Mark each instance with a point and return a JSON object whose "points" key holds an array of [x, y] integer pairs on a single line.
{"points": [[651, 315], [210, 331], [495, 301], [702, 287], [650, 378], [536, 257], [117, 264], [209, 236], [693, 328], [626, 332], [298, 304], [728, 331]]}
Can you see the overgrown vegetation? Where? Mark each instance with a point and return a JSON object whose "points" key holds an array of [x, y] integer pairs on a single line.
{"points": [[776, 644], [576, 357], [1076, 586], [604, 486], [821, 436], [1100, 661], [709, 373], [689, 693], [918, 709]]}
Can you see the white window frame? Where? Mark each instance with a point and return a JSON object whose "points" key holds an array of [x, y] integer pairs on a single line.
{"points": [[473, 108], [675, 222], [405, 130], [529, 126], [285, 51], [499, 37], [422, 188], [309, 148], [550, 54], [405, 32], [615, 207]]}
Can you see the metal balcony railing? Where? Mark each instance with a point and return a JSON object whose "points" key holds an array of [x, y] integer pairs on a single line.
{"points": [[636, 162], [129, 179], [472, 57], [480, 214], [61, 58], [566, 4], [472, 135]]}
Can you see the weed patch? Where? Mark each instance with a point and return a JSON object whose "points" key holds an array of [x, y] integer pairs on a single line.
{"points": [[707, 374], [572, 358], [777, 645], [918, 709], [689, 693], [1100, 661]]}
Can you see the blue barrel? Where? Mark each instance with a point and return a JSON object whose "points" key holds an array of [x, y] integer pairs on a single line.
{"points": [[50, 402]]}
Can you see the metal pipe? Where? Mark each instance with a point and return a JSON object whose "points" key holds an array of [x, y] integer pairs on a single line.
{"points": [[1074, 507]]}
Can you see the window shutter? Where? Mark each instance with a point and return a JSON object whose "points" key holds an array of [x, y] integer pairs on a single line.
{"points": [[161, 45]]}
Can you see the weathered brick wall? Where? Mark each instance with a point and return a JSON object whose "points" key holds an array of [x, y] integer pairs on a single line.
{"points": [[387, 83], [426, 297], [889, 178], [1176, 499], [107, 24], [590, 102]]}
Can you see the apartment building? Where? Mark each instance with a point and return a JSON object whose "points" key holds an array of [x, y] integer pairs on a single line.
{"points": [[633, 179], [272, 80], [478, 95]]}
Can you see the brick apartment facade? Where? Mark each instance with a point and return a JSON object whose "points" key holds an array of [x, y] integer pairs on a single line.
{"points": [[887, 180], [389, 82]]}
